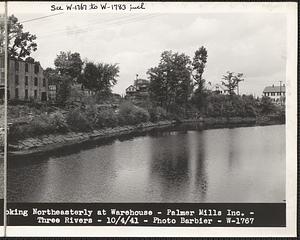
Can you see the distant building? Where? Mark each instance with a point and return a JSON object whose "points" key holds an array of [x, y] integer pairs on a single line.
{"points": [[26, 81], [139, 90], [276, 93], [131, 90], [217, 88], [52, 92]]}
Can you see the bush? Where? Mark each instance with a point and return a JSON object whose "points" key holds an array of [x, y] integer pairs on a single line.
{"points": [[106, 118], [78, 121], [130, 114], [43, 124], [157, 114], [91, 112], [141, 115], [267, 106], [58, 121]]}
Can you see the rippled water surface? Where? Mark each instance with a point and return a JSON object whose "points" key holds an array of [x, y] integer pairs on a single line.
{"points": [[244, 164]]}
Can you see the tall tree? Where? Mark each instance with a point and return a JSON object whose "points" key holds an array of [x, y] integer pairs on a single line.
{"points": [[20, 43], [231, 81], [68, 63], [170, 81], [62, 82], [99, 78], [199, 64], [67, 70], [52, 75]]}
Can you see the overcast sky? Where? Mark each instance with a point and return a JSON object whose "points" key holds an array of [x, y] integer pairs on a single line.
{"points": [[250, 43]]}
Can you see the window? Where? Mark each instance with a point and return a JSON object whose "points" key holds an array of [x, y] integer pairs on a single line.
{"points": [[35, 81], [16, 66], [26, 80], [16, 93], [8, 95], [44, 96], [16, 80], [279, 93], [26, 67], [35, 94], [44, 82], [272, 94], [26, 93], [36, 68]]}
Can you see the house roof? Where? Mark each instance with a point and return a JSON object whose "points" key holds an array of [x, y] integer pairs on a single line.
{"points": [[274, 89], [131, 86]]}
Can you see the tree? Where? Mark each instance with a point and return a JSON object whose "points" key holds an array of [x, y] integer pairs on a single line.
{"points": [[170, 81], [68, 67], [52, 75], [231, 81], [68, 63], [63, 88], [266, 105], [62, 82], [20, 43], [199, 63], [99, 78], [199, 98]]}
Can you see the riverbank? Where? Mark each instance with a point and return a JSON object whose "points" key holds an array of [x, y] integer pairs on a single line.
{"points": [[52, 142]]}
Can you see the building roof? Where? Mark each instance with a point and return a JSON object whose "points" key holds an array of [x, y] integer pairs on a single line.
{"points": [[274, 89], [131, 86]]}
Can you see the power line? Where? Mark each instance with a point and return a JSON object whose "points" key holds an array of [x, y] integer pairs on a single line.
{"points": [[54, 32], [34, 19], [111, 22]]}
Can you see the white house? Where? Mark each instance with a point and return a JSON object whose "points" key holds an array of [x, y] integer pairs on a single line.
{"points": [[276, 93]]}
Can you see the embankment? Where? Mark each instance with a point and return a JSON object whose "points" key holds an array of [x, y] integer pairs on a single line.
{"points": [[47, 144]]}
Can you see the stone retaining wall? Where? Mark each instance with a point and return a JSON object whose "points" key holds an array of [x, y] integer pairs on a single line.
{"points": [[55, 140]]}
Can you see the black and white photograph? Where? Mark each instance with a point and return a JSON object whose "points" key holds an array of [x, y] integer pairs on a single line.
{"points": [[130, 105], [2, 107], [2, 115]]}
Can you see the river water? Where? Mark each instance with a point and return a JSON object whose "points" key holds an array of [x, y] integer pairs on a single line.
{"points": [[245, 164]]}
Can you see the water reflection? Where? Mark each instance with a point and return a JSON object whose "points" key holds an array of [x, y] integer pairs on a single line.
{"points": [[188, 165], [199, 184]]}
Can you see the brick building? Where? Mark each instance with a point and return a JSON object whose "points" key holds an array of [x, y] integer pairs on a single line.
{"points": [[26, 81]]}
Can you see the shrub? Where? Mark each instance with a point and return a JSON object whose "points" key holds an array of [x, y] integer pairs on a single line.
{"points": [[77, 120], [106, 118], [141, 115], [39, 126], [58, 121], [91, 112], [157, 114], [267, 106], [130, 114]]}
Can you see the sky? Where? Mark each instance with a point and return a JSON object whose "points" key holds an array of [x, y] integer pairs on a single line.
{"points": [[252, 43]]}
